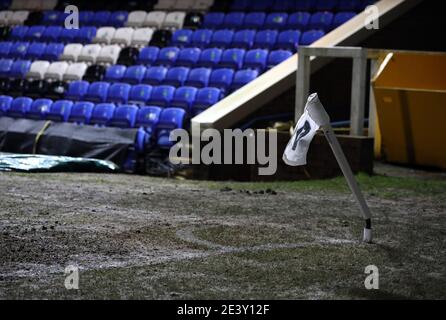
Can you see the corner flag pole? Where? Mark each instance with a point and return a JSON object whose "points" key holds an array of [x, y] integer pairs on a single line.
{"points": [[320, 116]]}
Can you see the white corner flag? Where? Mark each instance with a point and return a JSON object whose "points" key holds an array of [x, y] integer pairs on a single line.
{"points": [[313, 118], [296, 151]]}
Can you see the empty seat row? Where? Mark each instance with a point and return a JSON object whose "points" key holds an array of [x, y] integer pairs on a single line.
{"points": [[191, 99], [52, 34], [299, 5], [270, 39], [154, 122], [213, 57], [91, 53], [276, 21], [31, 51]]}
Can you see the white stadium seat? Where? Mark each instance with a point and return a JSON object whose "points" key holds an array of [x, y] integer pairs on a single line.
{"points": [[136, 19], [5, 16], [109, 54], [123, 36], [142, 36], [174, 20], [56, 70], [184, 5], [48, 4], [18, 4], [18, 17], [155, 19], [71, 52], [104, 35], [75, 71], [203, 5], [165, 5], [37, 70], [89, 53]]}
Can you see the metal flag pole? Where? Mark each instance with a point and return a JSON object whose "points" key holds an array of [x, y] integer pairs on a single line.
{"points": [[320, 116]]}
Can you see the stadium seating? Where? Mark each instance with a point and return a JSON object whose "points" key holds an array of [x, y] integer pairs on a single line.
{"points": [[148, 64]]}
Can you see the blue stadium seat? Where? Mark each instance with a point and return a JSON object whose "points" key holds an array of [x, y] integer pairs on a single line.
{"points": [[161, 96], [256, 59], [326, 5], [19, 68], [181, 37], [18, 50], [304, 5], [176, 76], [243, 39], [170, 119], [254, 20], [155, 75], [233, 20], [311, 36], [140, 94], [34, 33], [240, 5], [167, 56], [19, 107], [85, 18], [265, 39], [85, 35], [68, 35], [283, 5], [18, 33], [298, 20], [260, 5], [61, 18], [205, 98], [39, 109], [198, 77], [276, 20], [184, 98], [5, 67], [117, 19], [35, 51], [148, 118], [288, 39], [221, 78], [213, 20], [188, 57], [102, 113], [60, 110], [97, 91], [77, 90], [50, 18], [5, 48], [100, 18], [134, 74], [349, 5], [210, 57], [124, 116], [81, 112], [115, 73], [51, 34], [277, 56], [321, 21], [148, 55], [243, 77], [201, 38], [53, 51], [232, 58], [222, 38], [5, 104], [341, 18], [118, 93]]}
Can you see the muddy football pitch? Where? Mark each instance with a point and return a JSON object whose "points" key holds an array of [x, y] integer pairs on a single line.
{"points": [[139, 237]]}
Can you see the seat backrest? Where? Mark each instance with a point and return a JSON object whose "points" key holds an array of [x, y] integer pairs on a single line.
{"points": [[140, 94], [102, 113], [60, 110], [81, 112], [148, 117], [118, 93], [124, 116]]}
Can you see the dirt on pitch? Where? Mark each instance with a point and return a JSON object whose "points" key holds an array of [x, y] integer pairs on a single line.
{"points": [[151, 238]]}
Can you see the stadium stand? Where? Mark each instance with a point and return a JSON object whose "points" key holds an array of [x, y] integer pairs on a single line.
{"points": [[167, 60]]}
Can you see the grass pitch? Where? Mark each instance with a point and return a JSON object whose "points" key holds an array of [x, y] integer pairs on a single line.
{"points": [[150, 238]]}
